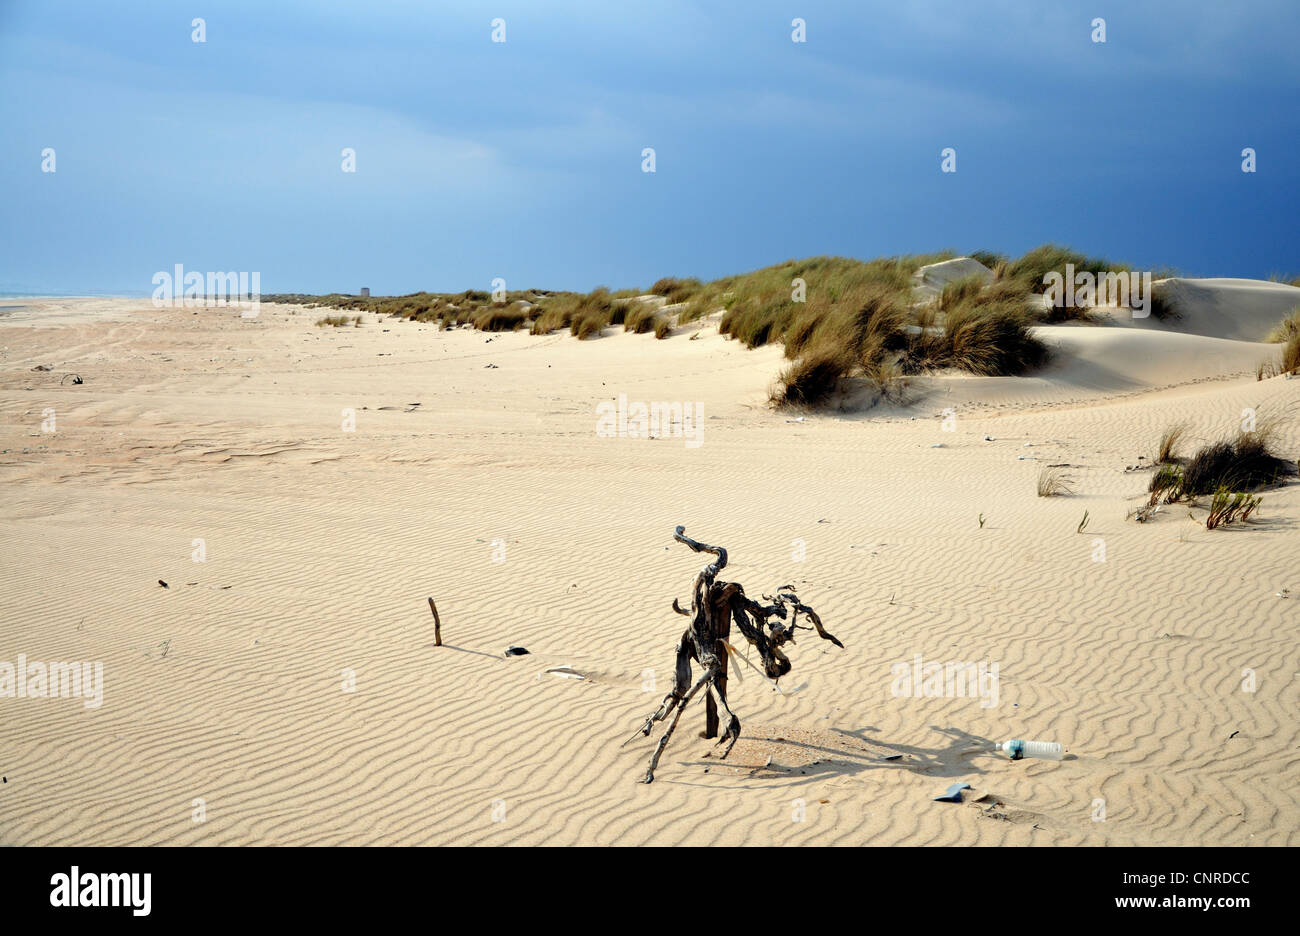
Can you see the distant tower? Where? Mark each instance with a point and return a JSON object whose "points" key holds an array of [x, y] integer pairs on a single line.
{"points": [[365, 292]]}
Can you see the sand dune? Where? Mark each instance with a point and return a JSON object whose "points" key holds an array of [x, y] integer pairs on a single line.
{"points": [[1239, 309], [321, 546]]}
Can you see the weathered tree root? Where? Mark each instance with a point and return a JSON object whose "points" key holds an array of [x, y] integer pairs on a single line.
{"points": [[715, 606]]}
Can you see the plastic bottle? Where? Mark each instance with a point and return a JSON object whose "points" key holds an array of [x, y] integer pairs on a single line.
{"points": [[1016, 749]]}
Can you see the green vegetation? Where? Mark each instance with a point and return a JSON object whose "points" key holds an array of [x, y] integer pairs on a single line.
{"points": [[1229, 506], [835, 317], [1237, 465]]}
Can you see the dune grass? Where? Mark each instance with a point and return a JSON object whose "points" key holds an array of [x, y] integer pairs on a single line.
{"points": [[1030, 269], [814, 376], [1053, 483], [676, 290], [1169, 441], [338, 321], [1291, 355], [1286, 329], [1244, 463], [1287, 334], [833, 315]]}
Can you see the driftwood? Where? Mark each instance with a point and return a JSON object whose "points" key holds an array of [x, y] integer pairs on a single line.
{"points": [[715, 606]]}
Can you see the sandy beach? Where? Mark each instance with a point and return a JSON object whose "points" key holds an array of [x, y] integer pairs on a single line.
{"points": [[331, 480]]}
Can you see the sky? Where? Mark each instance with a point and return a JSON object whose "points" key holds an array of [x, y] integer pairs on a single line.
{"points": [[522, 159]]}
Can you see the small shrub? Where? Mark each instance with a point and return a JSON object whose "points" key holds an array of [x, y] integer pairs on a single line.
{"points": [[1230, 506]]}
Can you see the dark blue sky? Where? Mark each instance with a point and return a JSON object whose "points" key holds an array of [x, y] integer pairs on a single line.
{"points": [[523, 159]]}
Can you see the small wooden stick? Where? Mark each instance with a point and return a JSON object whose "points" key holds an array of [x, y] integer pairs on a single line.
{"points": [[437, 624]]}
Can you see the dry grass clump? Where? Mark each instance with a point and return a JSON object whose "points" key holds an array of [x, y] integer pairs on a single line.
{"points": [[1268, 369], [1286, 329], [991, 339], [641, 319], [1287, 334], [960, 292], [1169, 440], [592, 313], [677, 290], [338, 321], [1053, 483], [1163, 305], [811, 378], [498, 318], [1291, 355], [1244, 463], [1030, 269], [989, 258]]}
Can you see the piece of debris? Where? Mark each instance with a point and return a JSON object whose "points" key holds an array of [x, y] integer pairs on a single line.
{"points": [[515, 651], [1284, 593], [76, 379], [163, 584], [953, 794], [938, 445], [892, 757], [437, 624], [989, 439], [43, 367], [1234, 734], [567, 672]]}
